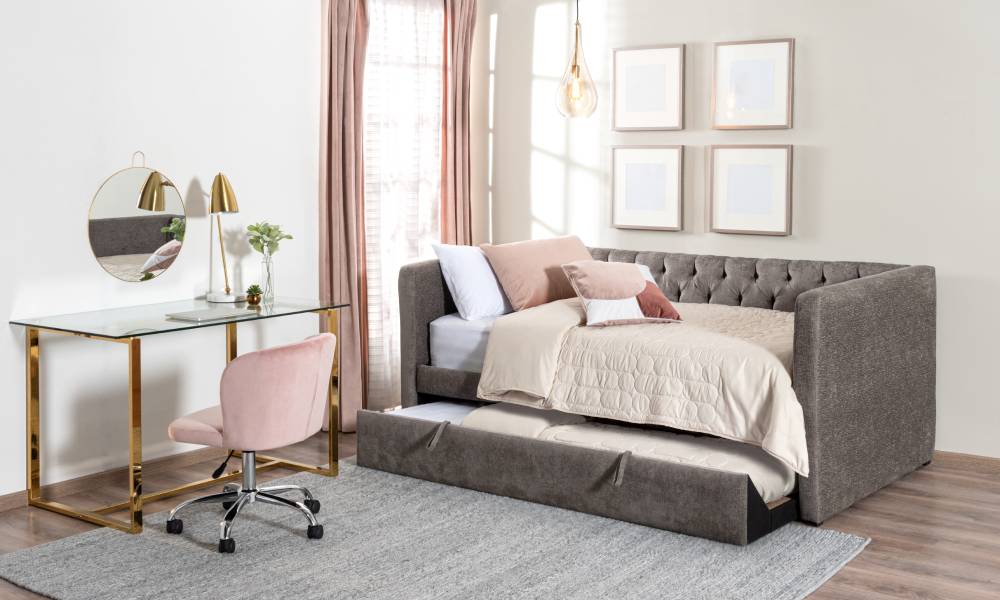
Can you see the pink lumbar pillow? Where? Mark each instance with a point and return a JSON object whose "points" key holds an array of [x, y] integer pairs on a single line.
{"points": [[531, 272], [162, 258], [618, 293]]}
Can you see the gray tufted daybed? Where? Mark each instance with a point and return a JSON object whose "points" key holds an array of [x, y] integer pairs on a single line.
{"points": [[863, 371]]}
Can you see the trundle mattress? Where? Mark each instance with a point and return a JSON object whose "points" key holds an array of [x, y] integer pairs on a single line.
{"points": [[772, 479]]}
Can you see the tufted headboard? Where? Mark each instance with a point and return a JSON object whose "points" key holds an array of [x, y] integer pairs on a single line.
{"points": [[759, 282]]}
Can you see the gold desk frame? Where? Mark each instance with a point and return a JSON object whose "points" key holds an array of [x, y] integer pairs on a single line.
{"points": [[136, 498]]}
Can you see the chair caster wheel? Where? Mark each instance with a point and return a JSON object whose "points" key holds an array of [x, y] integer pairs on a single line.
{"points": [[313, 505], [227, 546], [315, 532], [175, 526], [227, 505]]}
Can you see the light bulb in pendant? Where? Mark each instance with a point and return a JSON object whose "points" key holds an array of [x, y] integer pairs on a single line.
{"points": [[577, 94]]}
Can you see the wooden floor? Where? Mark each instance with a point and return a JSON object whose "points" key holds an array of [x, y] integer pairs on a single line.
{"points": [[935, 534]]}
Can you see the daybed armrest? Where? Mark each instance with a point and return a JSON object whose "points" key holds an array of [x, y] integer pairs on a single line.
{"points": [[423, 297], [864, 371]]}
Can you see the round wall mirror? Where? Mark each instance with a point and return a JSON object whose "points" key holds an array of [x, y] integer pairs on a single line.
{"points": [[137, 224]]}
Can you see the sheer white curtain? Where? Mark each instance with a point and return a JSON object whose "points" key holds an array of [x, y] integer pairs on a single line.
{"points": [[402, 97]]}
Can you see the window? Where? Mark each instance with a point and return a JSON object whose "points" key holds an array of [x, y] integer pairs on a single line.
{"points": [[402, 100]]}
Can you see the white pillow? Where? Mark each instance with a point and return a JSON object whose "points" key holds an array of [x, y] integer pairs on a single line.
{"points": [[471, 281], [646, 273]]}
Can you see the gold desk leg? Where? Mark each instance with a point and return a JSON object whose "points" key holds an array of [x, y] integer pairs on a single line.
{"points": [[31, 355], [230, 342], [134, 504], [333, 409], [135, 434]]}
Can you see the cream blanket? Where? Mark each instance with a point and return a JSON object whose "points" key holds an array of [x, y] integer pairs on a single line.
{"points": [[689, 375]]}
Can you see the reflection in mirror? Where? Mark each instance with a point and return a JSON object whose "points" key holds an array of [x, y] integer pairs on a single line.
{"points": [[137, 224]]}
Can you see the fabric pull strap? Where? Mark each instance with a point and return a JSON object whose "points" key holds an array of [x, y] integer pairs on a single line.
{"points": [[620, 473], [437, 435]]}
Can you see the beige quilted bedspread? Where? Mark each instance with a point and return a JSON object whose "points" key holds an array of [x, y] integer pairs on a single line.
{"points": [[724, 371]]}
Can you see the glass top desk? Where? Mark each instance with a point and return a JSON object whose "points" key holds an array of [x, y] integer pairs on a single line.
{"points": [[128, 325]]}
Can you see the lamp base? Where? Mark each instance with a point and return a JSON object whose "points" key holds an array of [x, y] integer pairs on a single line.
{"points": [[222, 298]]}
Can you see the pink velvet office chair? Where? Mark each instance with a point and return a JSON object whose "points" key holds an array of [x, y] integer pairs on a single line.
{"points": [[270, 399]]}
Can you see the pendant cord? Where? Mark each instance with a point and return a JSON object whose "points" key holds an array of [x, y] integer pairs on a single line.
{"points": [[578, 11]]}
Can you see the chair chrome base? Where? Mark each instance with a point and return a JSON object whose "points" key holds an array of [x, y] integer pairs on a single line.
{"points": [[234, 498]]}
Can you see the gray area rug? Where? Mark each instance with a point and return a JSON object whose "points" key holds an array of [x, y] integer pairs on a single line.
{"points": [[399, 538]]}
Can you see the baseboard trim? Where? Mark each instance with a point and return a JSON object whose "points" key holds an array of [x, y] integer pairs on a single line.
{"points": [[80, 484]]}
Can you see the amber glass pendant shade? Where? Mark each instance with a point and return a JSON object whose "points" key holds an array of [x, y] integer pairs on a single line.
{"points": [[577, 94]]}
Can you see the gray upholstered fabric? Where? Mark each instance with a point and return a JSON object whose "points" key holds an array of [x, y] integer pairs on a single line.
{"points": [[423, 297], [683, 498], [758, 282], [864, 368], [448, 383], [864, 365], [129, 235]]}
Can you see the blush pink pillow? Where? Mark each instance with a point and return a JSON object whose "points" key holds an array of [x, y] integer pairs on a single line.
{"points": [[162, 258], [599, 280], [531, 272], [618, 293], [654, 305]]}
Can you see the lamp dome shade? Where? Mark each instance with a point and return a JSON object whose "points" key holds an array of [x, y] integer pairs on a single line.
{"points": [[223, 197], [152, 197]]}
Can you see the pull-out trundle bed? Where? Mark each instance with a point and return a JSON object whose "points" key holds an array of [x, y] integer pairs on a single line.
{"points": [[863, 362]]}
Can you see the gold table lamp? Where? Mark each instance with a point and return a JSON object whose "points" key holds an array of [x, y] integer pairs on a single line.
{"points": [[223, 201], [152, 197]]}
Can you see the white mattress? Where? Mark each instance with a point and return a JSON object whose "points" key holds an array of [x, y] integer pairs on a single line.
{"points": [[454, 412], [514, 419], [459, 344]]}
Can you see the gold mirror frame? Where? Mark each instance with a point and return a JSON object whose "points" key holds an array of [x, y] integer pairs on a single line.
{"points": [[153, 197]]}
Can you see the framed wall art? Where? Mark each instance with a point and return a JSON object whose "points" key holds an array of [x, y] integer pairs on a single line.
{"points": [[647, 187], [750, 189], [648, 88], [752, 84]]}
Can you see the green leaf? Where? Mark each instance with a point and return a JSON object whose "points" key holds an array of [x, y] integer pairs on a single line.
{"points": [[176, 228], [264, 235]]}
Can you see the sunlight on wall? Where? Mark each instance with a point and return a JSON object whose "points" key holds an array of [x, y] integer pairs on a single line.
{"points": [[567, 182], [551, 42], [548, 194]]}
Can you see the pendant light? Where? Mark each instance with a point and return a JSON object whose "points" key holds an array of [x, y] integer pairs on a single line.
{"points": [[577, 94]]}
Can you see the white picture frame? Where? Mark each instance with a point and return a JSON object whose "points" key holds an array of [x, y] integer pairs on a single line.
{"points": [[647, 88], [752, 84], [750, 189], [647, 184]]}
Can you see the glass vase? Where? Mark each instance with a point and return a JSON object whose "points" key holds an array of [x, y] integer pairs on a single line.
{"points": [[267, 278]]}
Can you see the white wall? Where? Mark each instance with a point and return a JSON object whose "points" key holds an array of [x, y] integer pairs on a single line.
{"points": [[896, 149], [200, 87]]}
